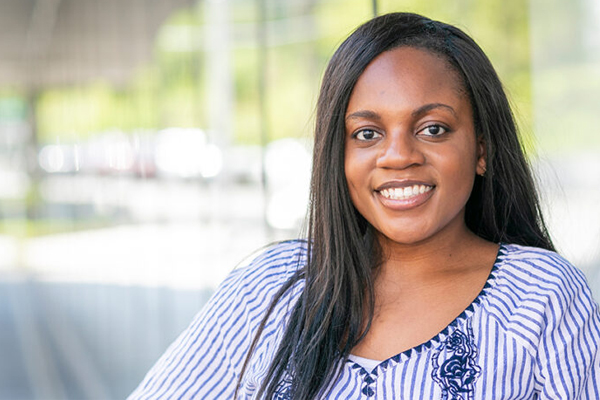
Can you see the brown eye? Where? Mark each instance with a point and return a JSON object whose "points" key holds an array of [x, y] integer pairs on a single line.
{"points": [[434, 130], [366, 134]]}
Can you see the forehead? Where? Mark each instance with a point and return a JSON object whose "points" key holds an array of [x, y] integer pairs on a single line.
{"points": [[420, 75]]}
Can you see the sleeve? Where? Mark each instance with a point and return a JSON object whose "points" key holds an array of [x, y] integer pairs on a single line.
{"points": [[204, 362], [568, 358]]}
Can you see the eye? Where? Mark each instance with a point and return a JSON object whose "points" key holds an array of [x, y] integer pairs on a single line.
{"points": [[433, 130], [366, 134]]}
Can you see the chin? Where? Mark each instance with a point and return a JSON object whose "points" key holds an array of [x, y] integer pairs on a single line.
{"points": [[404, 238]]}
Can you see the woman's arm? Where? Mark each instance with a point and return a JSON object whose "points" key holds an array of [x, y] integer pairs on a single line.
{"points": [[568, 358], [205, 360]]}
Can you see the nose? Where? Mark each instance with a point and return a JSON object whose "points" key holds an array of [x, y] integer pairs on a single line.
{"points": [[400, 150]]}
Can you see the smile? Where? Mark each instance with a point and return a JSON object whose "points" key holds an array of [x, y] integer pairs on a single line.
{"points": [[405, 193]]}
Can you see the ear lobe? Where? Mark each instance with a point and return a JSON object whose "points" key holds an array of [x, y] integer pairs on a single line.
{"points": [[481, 156]]}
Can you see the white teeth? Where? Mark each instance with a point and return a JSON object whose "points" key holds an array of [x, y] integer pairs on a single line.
{"points": [[404, 193]]}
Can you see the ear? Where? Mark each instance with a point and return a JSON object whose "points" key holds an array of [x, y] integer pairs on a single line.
{"points": [[481, 156]]}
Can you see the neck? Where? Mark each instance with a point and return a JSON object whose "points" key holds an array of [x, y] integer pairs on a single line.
{"points": [[429, 258]]}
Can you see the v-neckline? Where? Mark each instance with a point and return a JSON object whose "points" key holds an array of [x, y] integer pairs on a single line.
{"points": [[440, 336]]}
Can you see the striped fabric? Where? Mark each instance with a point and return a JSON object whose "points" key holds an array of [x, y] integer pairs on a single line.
{"points": [[532, 333]]}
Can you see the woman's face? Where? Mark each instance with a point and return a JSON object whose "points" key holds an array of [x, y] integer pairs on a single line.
{"points": [[411, 153]]}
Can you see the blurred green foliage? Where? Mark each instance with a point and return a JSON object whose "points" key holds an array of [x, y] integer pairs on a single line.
{"points": [[569, 116], [301, 37], [27, 228]]}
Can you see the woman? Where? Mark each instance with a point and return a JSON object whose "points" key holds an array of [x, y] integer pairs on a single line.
{"points": [[428, 272]]}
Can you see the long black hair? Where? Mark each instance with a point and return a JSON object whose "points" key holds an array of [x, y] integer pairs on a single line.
{"points": [[328, 319]]}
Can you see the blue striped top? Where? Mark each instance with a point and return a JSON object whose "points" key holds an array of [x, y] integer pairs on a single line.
{"points": [[532, 333]]}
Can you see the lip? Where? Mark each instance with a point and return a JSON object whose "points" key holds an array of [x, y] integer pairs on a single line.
{"points": [[404, 204], [401, 184]]}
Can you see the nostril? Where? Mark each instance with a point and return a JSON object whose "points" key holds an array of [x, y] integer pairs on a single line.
{"points": [[400, 157]]}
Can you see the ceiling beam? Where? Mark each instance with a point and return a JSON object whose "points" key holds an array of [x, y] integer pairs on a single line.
{"points": [[41, 28]]}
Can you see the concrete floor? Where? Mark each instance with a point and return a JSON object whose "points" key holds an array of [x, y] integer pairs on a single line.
{"points": [[85, 341]]}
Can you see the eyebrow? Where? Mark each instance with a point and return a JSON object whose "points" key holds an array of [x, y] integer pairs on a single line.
{"points": [[364, 114], [368, 114], [428, 107]]}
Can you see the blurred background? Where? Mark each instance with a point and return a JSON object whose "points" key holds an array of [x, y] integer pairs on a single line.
{"points": [[148, 146]]}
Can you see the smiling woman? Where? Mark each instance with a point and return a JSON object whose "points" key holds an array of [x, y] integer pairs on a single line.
{"points": [[428, 272], [411, 157], [409, 128]]}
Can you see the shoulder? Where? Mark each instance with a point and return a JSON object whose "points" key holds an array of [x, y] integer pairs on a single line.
{"points": [[244, 296], [273, 264], [286, 252], [534, 290], [208, 356], [539, 271], [545, 303], [257, 279]]}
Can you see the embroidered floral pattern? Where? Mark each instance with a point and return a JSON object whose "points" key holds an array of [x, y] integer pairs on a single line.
{"points": [[454, 365], [283, 391]]}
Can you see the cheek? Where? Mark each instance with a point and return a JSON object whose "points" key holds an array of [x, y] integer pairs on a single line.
{"points": [[460, 173], [347, 166], [456, 166], [351, 178], [356, 171], [350, 166]]}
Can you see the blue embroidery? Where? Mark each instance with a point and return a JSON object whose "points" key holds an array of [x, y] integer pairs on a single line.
{"points": [[284, 389], [454, 366]]}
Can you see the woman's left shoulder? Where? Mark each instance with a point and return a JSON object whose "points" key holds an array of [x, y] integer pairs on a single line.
{"points": [[539, 267], [555, 317]]}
